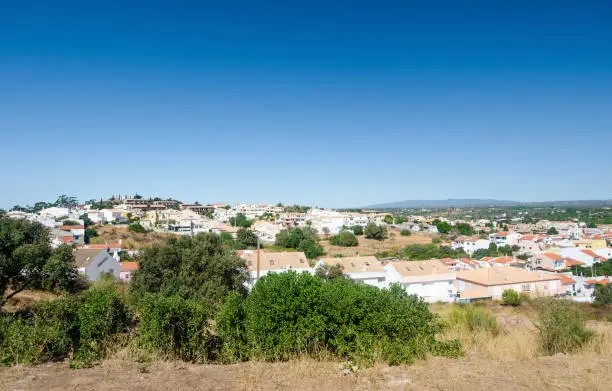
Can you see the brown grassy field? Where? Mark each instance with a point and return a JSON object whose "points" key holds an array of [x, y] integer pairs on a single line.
{"points": [[129, 240], [371, 246], [508, 361]]}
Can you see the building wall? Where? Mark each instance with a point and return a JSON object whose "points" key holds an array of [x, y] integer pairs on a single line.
{"points": [[537, 288], [103, 263]]}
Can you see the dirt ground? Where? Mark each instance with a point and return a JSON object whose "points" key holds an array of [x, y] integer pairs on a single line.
{"points": [[371, 246], [472, 373]]}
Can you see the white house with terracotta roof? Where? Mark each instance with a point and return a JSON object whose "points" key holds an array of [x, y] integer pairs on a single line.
{"points": [[469, 244], [127, 270], [367, 270], [589, 257], [276, 262], [431, 280], [505, 238], [491, 283], [605, 252], [548, 261]]}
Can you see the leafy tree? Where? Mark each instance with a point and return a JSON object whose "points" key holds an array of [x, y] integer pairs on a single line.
{"points": [[137, 228], [27, 261], [310, 248], [405, 232], [464, 229], [240, 221], [65, 201], [345, 239], [389, 219], [430, 251], [591, 225], [400, 220], [511, 297], [137, 196], [373, 231], [552, 231], [603, 294], [70, 222], [327, 272], [443, 227], [227, 239], [357, 230], [197, 267], [245, 238]]}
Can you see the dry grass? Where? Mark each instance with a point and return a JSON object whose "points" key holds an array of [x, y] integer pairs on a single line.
{"points": [[508, 361], [130, 240], [26, 299], [371, 246]]}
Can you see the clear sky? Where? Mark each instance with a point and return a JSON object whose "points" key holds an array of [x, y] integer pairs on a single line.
{"points": [[330, 103]]}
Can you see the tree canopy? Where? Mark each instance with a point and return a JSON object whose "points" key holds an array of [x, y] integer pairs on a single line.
{"points": [[197, 267], [345, 239], [300, 239], [27, 260], [240, 221], [443, 227], [373, 231]]}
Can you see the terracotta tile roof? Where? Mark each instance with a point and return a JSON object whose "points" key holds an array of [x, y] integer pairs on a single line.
{"points": [[129, 266], [502, 233], [274, 261], [603, 281], [356, 264], [103, 246], [431, 267], [504, 260], [73, 227], [566, 280], [504, 276], [573, 262], [553, 256], [592, 254], [528, 237]]}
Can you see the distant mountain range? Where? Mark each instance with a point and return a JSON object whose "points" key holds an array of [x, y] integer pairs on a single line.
{"points": [[482, 203]]}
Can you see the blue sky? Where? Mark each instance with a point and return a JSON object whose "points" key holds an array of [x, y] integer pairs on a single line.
{"points": [[335, 103]]}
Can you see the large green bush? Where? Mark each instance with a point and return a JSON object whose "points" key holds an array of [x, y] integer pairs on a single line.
{"points": [[289, 314], [511, 297], [561, 327], [174, 327], [345, 239], [102, 314], [81, 326]]}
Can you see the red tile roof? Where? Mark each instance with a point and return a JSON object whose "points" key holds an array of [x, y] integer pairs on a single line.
{"points": [[129, 266], [603, 281], [566, 279], [592, 254], [73, 227], [553, 256], [573, 262], [504, 260], [502, 233]]}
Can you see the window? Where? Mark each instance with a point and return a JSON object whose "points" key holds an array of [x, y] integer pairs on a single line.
{"points": [[525, 287], [271, 262], [250, 263]]}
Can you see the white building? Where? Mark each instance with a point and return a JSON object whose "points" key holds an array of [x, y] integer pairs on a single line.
{"points": [[588, 257], [505, 238], [430, 279], [470, 244]]}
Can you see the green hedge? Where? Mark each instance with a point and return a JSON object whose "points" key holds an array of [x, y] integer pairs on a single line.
{"points": [[288, 315]]}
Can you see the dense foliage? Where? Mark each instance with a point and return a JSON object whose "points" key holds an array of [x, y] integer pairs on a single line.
{"points": [[511, 297], [289, 314], [443, 227], [80, 325], [377, 232], [198, 267], [137, 228], [175, 327], [301, 240], [240, 221], [603, 294], [345, 239], [27, 260]]}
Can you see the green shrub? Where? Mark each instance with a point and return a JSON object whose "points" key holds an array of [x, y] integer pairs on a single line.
{"points": [[603, 294], [474, 319], [511, 297], [345, 239], [102, 314], [287, 315], [137, 228], [175, 327], [561, 327], [405, 232]]}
